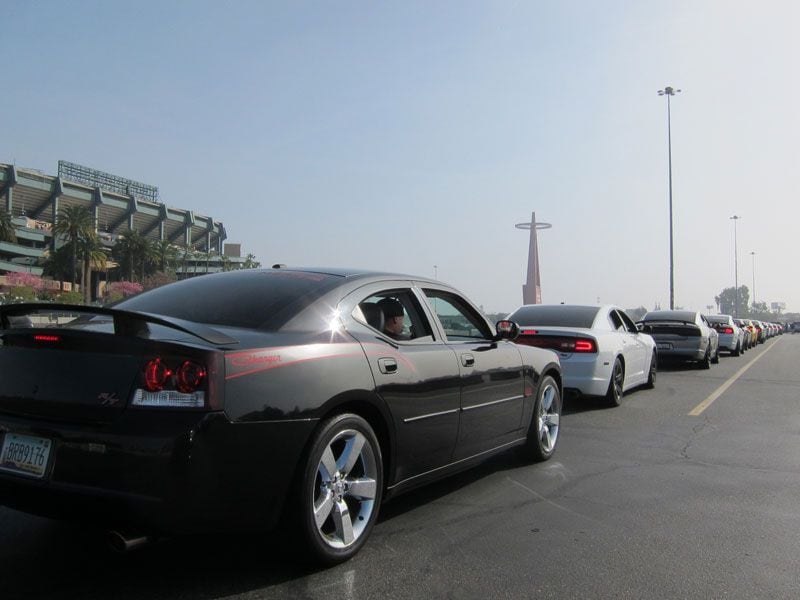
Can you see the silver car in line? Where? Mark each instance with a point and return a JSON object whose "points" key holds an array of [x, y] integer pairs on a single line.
{"points": [[731, 336], [682, 335]]}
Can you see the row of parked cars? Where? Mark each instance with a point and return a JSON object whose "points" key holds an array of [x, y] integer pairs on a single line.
{"points": [[604, 353], [242, 400]]}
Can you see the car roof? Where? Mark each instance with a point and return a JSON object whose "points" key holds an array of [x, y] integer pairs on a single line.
{"points": [[347, 272]]}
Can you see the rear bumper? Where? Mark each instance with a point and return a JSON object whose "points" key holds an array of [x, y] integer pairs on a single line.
{"points": [[585, 375], [681, 353], [170, 472]]}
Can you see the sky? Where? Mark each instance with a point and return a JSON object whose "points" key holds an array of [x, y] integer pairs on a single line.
{"points": [[413, 136]]}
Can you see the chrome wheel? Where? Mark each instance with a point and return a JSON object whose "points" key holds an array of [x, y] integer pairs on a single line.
{"points": [[548, 418], [542, 437], [345, 488]]}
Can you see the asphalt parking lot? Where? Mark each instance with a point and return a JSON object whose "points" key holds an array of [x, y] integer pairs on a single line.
{"points": [[685, 491]]}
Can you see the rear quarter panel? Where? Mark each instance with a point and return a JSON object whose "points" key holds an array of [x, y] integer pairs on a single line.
{"points": [[294, 378]]}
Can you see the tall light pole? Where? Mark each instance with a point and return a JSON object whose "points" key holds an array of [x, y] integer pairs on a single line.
{"points": [[668, 91], [753, 254], [735, 218]]}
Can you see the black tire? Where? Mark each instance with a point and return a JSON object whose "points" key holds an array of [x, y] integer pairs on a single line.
{"points": [[545, 423], [706, 362], [715, 358], [651, 375], [614, 393], [347, 500], [737, 351]]}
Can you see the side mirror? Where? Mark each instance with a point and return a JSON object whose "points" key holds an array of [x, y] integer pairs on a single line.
{"points": [[506, 330]]}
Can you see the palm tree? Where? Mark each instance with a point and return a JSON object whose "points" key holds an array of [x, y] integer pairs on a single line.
{"points": [[74, 224], [166, 255], [93, 258], [134, 252], [6, 227], [250, 262]]}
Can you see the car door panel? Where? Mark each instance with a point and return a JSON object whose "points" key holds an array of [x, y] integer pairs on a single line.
{"points": [[492, 383], [420, 382], [492, 394]]}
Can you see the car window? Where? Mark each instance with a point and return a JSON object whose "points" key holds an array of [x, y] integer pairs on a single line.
{"points": [[372, 312], [459, 320], [616, 321], [629, 324], [260, 300]]}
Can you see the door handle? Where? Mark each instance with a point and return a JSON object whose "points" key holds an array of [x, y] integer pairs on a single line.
{"points": [[467, 360], [387, 365]]}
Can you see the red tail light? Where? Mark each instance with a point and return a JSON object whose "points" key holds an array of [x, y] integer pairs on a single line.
{"points": [[156, 375], [727, 330], [190, 376], [557, 343], [174, 383], [41, 337]]}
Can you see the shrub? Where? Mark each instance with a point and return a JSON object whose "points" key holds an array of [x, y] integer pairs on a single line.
{"points": [[158, 279], [67, 298]]}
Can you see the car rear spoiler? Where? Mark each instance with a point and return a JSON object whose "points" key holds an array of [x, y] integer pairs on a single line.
{"points": [[666, 323], [125, 322]]}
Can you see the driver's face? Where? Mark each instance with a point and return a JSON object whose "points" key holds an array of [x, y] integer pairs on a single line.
{"points": [[394, 324]]}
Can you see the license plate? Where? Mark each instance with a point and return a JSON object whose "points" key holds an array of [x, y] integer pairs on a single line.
{"points": [[25, 454], [664, 346]]}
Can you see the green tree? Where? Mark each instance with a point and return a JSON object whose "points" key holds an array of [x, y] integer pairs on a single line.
{"points": [[57, 264], [760, 311], [250, 262], [166, 256], [73, 224], [726, 301], [135, 254], [93, 257]]}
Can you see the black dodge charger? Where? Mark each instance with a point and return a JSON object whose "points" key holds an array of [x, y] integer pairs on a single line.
{"points": [[241, 400]]}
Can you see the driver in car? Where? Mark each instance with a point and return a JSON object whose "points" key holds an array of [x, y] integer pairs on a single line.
{"points": [[393, 316]]}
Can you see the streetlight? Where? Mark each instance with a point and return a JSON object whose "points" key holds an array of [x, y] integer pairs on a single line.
{"points": [[735, 218], [436, 272], [753, 254], [668, 91]]}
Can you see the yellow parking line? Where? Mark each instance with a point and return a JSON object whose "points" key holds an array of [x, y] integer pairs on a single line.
{"points": [[697, 410]]}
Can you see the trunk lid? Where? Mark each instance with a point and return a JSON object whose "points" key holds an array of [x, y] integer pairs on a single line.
{"points": [[82, 364]]}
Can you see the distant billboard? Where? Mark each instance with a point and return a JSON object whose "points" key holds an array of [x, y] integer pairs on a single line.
{"points": [[107, 181], [778, 306]]}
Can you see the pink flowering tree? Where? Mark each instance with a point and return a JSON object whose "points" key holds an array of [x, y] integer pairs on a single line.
{"points": [[122, 289], [22, 287], [28, 280]]}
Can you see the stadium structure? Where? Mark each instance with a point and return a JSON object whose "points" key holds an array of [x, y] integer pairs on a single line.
{"points": [[33, 199]]}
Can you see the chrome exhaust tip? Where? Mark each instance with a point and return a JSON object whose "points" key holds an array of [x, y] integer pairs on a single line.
{"points": [[123, 542]]}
